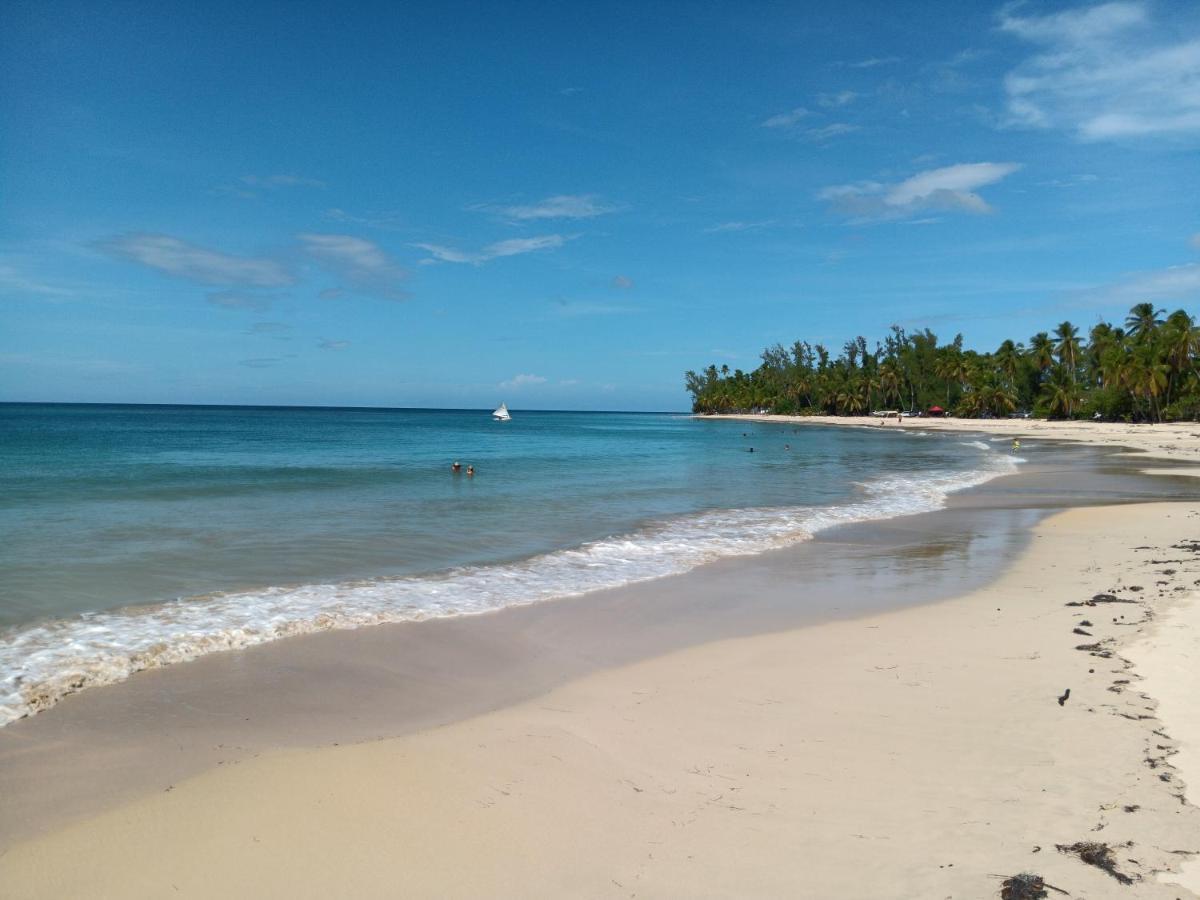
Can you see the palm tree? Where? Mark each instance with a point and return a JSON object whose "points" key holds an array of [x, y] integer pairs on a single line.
{"points": [[1062, 392], [1008, 361], [1067, 346], [890, 381], [1041, 351], [1143, 321], [1180, 340]]}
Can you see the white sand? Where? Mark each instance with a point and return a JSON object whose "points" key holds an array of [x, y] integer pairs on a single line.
{"points": [[916, 754], [1174, 440]]}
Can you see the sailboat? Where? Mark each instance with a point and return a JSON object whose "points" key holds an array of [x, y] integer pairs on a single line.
{"points": [[501, 413]]}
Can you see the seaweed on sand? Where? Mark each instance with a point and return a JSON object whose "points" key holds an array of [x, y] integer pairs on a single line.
{"points": [[1096, 854], [1026, 886]]}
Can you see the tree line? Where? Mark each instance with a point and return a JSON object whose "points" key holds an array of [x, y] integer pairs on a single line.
{"points": [[1143, 371]]}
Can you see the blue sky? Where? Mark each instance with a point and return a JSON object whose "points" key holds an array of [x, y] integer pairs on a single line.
{"points": [[565, 206]]}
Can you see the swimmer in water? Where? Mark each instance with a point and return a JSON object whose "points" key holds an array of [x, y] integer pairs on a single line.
{"points": [[456, 467], [470, 471], [1016, 445]]}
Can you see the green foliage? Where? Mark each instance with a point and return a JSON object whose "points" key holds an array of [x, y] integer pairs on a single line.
{"points": [[1144, 370]]}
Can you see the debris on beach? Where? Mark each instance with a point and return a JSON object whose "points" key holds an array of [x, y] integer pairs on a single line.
{"points": [[1064, 697], [1096, 854], [1026, 886], [1104, 598]]}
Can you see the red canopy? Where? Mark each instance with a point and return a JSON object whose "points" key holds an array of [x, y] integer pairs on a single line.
{"points": [[936, 409]]}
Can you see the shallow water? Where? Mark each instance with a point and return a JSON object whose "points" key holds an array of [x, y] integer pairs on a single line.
{"points": [[139, 536]]}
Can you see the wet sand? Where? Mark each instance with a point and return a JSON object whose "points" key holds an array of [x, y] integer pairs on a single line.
{"points": [[190, 735]]}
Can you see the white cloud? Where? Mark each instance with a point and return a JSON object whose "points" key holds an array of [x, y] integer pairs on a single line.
{"points": [[239, 300], [510, 247], [562, 206], [188, 261], [873, 62], [786, 119], [828, 132], [1104, 72], [13, 280], [622, 282], [330, 344], [384, 219], [1174, 281], [841, 98], [950, 188], [521, 381], [365, 266]]}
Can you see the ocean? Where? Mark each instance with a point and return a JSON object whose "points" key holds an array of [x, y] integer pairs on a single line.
{"points": [[138, 536]]}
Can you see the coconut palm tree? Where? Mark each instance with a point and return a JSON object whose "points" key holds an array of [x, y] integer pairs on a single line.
{"points": [[1143, 321], [1061, 391], [1041, 351], [1008, 361], [1066, 346]]}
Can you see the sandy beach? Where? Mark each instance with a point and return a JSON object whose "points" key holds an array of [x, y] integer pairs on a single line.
{"points": [[1179, 441], [928, 751]]}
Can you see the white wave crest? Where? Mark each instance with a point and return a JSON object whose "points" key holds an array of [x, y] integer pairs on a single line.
{"points": [[41, 663]]}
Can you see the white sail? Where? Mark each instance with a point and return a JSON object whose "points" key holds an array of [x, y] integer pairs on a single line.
{"points": [[501, 413]]}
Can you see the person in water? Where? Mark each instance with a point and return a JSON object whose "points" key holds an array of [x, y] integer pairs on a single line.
{"points": [[1016, 445], [456, 467], [470, 471]]}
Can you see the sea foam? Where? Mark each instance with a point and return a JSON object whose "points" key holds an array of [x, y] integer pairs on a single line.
{"points": [[43, 662]]}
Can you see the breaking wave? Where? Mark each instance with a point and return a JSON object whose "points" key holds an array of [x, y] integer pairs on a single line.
{"points": [[43, 662]]}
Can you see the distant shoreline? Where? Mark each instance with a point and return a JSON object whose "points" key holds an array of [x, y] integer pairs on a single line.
{"points": [[1169, 440]]}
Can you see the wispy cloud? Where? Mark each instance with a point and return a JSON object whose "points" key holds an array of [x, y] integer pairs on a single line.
{"points": [[386, 220], [560, 206], [830, 131], [522, 381], [366, 268], [510, 247], [786, 119], [239, 300], [623, 282], [949, 189], [181, 259], [1104, 72], [834, 100], [331, 344], [260, 362], [870, 63], [1195, 241], [14, 281], [1173, 281]]}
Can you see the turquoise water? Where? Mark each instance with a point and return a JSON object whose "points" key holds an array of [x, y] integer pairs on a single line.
{"points": [[136, 536]]}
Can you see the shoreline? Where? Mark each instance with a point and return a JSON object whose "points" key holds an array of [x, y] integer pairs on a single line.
{"points": [[1175, 441], [910, 753], [282, 770]]}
